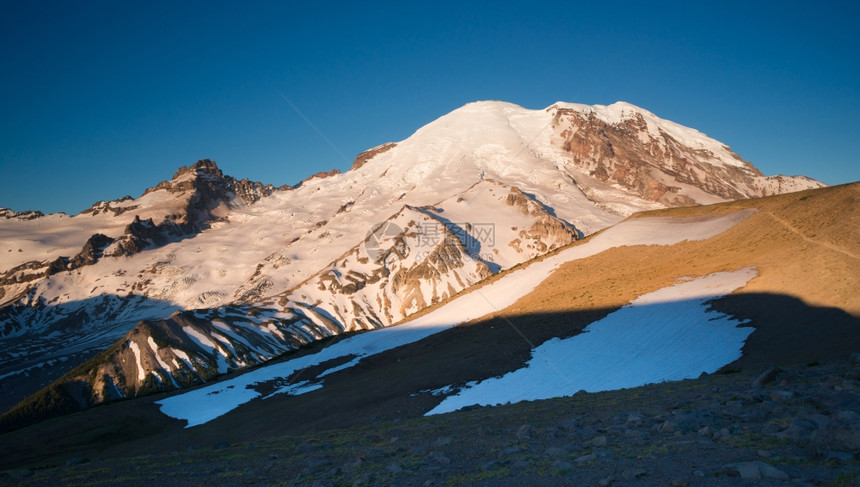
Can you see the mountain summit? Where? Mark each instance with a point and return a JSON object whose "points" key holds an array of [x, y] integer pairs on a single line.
{"points": [[204, 274], [619, 156]]}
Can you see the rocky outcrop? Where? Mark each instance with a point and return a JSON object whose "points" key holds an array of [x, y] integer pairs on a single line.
{"points": [[92, 251], [26, 272], [31, 271], [779, 184], [22, 215], [201, 190], [110, 207], [162, 355], [141, 234], [252, 191], [369, 154], [637, 153], [210, 186], [206, 187], [169, 354], [395, 272], [319, 175]]}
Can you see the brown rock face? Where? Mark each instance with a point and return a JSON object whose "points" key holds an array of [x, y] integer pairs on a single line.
{"points": [[210, 186], [321, 175], [253, 191], [654, 166], [108, 207], [203, 166], [140, 234], [30, 271], [369, 154], [22, 215], [92, 250]]}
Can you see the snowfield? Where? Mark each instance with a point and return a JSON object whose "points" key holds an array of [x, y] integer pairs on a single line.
{"points": [[207, 403], [661, 336]]}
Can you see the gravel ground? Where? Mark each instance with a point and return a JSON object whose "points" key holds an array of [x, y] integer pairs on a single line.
{"points": [[779, 426]]}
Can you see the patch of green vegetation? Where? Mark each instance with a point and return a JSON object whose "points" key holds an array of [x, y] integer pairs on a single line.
{"points": [[52, 401], [653, 450], [844, 479], [793, 460], [480, 476]]}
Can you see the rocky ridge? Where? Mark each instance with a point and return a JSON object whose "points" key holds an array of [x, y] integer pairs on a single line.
{"points": [[22, 215]]}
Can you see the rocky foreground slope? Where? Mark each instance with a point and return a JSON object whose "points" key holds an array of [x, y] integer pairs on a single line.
{"points": [[780, 426]]}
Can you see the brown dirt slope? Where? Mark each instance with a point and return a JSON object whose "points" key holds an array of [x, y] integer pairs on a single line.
{"points": [[803, 244], [805, 301]]}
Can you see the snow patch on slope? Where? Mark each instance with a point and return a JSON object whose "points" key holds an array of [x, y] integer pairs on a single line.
{"points": [[665, 335], [141, 373]]}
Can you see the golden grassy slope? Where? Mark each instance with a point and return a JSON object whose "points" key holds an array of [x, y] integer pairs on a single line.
{"points": [[805, 245]]}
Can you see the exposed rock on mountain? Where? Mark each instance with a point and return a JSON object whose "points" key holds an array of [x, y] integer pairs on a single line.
{"points": [[23, 215], [369, 154], [320, 175], [656, 159], [105, 207], [208, 190]]}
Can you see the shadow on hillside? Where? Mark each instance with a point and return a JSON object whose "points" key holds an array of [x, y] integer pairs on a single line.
{"points": [[396, 383], [41, 343], [551, 211], [789, 331], [473, 246], [385, 385]]}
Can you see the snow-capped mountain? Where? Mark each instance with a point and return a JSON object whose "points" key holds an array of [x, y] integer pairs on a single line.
{"points": [[203, 273]]}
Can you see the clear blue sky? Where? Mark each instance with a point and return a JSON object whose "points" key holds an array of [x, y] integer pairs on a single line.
{"points": [[103, 99]]}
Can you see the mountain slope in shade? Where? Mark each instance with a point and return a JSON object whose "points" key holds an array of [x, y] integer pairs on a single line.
{"points": [[252, 270]]}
